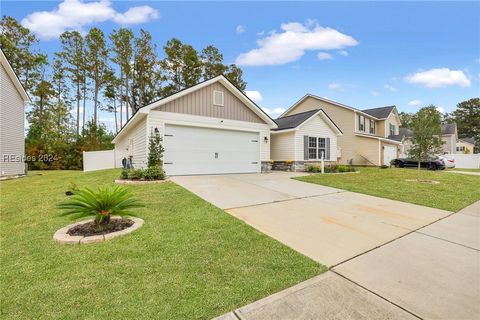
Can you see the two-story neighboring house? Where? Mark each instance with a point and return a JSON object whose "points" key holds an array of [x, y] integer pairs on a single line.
{"points": [[365, 133]]}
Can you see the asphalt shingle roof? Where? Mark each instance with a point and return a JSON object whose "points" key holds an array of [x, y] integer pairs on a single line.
{"points": [[402, 133], [449, 128], [380, 113], [468, 140], [293, 121]]}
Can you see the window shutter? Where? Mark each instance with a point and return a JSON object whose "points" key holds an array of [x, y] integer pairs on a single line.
{"points": [[327, 147], [305, 147]]}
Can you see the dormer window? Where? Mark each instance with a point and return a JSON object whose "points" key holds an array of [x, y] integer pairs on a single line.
{"points": [[361, 123], [218, 98], [392, 129]]}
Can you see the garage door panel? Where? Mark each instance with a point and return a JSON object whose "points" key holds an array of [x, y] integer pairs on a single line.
{"points": [[196, 150]]}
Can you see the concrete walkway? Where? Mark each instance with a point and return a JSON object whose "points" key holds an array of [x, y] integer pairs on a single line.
{"points": [[471, 173], [430, 273]]}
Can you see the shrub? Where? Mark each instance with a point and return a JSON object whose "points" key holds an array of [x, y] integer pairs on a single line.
{"points": [[101, 203], [154, 173], [311, 169], [155, 150], [136, 174], [124, 174]]}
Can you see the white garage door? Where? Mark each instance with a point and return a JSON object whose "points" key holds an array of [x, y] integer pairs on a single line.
{"points": [[195, 150], [389, 153]]}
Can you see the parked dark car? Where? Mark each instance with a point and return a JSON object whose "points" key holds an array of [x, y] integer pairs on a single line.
{"points": [[430, 164]]}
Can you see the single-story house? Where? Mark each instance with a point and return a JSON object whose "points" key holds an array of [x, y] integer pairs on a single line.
{"points": [[465, 145], [13, 98], [210, 128], [304, 138]]}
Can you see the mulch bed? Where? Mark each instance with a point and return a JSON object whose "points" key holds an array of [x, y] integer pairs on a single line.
{"points": [[93, 229]]}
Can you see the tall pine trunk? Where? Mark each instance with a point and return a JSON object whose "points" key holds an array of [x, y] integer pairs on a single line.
{"points": [[121, 98], [115, 112], [78, 108], [126, 100], [84, 98]]}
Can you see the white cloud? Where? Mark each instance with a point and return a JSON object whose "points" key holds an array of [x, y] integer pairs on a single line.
{"points": [[261, 33], [441, 109], [256, 96], [291, 43], [136, 15], [375, 93], [390, 88], [439, 77], [75, 14], [240, 29], [324, 56], [335, 86], [343, 53], [274, 112], [414, 103]]}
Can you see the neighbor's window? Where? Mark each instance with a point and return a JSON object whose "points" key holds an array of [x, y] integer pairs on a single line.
{"points": [[392, 129], [361, 123], [462, 148], [218, 98], [312, 147], [372, 126], [321, 148]]}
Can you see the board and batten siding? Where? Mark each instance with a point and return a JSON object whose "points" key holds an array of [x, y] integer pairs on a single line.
{"points": [[283, 146], [158, 119], [136, 137], [315, 127], [361, 150], [200, 103], [12, 137]]}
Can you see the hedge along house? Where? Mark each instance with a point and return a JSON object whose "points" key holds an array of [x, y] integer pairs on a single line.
{"points": [[303, 139], [210, 128]]}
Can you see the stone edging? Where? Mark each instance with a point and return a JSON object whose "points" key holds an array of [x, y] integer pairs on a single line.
{"points": [[61, 236], [139, 182]]}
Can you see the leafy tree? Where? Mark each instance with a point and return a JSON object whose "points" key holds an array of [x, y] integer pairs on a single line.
{"points": [[234, 74], [426, 139], [146, 74], [467, 117], [72, 56], [182, 66], [111, 94], [122, 55], [17, 43], [96, 56], [155, 150], [95, 137], [212, 61], [406, 119]]}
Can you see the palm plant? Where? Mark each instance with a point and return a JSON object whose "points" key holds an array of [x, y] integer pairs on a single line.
{"points": [[102, 203]]}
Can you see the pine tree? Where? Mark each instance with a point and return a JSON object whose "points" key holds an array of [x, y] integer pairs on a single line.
{"points": [[212, 61], [155, 150]]}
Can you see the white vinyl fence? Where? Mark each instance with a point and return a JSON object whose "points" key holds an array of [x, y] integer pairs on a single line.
{"points": [[98, 160], [465, 161]]}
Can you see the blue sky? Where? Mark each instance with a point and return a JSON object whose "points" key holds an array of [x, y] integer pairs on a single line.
{"points": [[363, 54]]}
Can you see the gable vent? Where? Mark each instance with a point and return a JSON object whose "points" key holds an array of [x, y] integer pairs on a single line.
{"points": [[218, 98]]}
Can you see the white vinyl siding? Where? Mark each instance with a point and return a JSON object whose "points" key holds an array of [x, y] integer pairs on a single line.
{"points": [[315, 127], [133, 143], [283, 146], [12, 139]]}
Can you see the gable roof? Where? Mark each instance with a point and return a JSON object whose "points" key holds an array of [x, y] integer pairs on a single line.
{"points": [[402, 133], [296, 120], [380, 113], [468, 140], [364, 112], [293, 121], [228, 85], [449, 128], [13, 77]]}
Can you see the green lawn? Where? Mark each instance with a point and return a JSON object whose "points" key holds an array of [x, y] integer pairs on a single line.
{"points": [[454, 192], [189, 260]]}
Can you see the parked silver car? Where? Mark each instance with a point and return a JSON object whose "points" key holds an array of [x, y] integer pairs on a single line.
{"points": [[449, 162]]}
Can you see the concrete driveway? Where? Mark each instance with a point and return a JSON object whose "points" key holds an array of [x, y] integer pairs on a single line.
{"points": [[326, 224]]}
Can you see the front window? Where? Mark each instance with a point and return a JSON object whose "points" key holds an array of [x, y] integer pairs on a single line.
{"points": [[361, 123], [317, 148], [312, 148], [372, 126], [392, 129], [462, 148]]}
